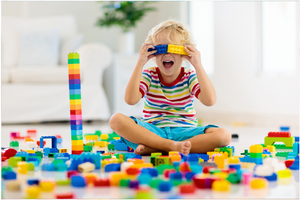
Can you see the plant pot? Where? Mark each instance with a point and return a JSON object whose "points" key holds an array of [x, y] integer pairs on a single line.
{"points": [[126, 43]]}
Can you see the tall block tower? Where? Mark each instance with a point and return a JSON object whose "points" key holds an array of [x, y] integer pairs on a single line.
{"points": [[75, 103]]}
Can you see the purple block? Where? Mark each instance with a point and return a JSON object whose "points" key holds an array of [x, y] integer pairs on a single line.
{"points": [[76, 122], [134, 184], [74, 81]]}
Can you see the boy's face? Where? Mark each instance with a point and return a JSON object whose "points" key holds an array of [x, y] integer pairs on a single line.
{"points": [[169, 64]]}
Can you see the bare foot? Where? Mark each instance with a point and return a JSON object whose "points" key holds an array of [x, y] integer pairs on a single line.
{"points": [[143, 149], [183, 147]]}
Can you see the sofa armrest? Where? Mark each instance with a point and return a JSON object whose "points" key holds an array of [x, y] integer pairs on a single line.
{"points": [[94, 59]]}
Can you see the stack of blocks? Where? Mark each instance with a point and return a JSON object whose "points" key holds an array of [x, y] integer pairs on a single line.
{"points": [[75, 103], [284, 137]]}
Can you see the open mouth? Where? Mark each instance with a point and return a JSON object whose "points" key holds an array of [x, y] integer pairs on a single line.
{"points": [[168, 64]]}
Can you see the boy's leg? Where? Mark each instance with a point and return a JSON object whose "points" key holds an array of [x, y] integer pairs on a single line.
{"points": [[145, 150], [213, 138], [128, 129]]}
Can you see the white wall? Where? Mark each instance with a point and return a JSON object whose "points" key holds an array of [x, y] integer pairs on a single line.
{"points": [[244, 95]]}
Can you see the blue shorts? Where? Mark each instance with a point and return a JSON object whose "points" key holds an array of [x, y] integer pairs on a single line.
{"points": [[172, 133]]}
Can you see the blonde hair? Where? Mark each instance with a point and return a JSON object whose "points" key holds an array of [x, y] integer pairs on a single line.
{"points": [[175, 32]]}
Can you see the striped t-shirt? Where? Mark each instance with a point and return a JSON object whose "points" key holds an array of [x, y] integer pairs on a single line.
{"points": [[169, 104]]}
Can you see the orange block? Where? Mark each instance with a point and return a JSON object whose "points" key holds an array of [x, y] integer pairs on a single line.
{"points": [[142, 165], [175, 158], [115, 177], [28, 139], [135, 160], [90, 177], [220, 161], [75, 107], [77, 147], [74, 71]]}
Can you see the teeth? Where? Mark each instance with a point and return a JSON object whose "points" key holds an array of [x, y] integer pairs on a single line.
{"points": [[168, 61]]}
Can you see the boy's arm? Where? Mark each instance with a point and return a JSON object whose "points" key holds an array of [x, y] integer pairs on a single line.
{"points": [[132, 93], [207, 96]]}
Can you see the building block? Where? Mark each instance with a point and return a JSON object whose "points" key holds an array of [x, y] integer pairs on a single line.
{"points": [[234, 135], [258, 183], [176, 49], [257, 148], [13, 161], [221, 186], [87, 148], [295, 165], [67, 195], [78, 181], [255, 155], [102, 144], [296, 138], [296, 148], [253, 160], [162, 160], [8, 152], [46, 186], [13, 186], [112, 167], [86, 167], [281, 146], [9, 175], [161, 49], [33, 192], [220, 161], [120, 147], [279, 134], [91, 137], [288, 141], [285, 173], [129, 149], [153, 172]]}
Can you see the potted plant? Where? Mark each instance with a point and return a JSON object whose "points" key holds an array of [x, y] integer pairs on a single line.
{"points": [[124, 14]]}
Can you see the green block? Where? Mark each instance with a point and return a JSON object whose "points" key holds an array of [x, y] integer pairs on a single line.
{"points": [[111, 147], [255, 155], [63, 182], [282, 154], [288, 141], [152, 160], [214, 170], [144, 195], [234, 178], [98, 133], [156, 154], [14, 144], [6, 169], [75, 96], [282, 146], [73, 55], [76, 137], [162, 161], [57, 161], [154, 183], [124, 182], [13, 161], [30, 167], [106, 156], [87, 148], [177, 182], [90, 144], [39, 154], [163, 167]]}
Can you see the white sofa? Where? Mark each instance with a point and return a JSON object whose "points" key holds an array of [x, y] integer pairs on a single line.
{"points": [[33, 91]]}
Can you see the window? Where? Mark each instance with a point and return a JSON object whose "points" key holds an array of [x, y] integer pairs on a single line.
{"points": [[280, 36], [201, 20]]}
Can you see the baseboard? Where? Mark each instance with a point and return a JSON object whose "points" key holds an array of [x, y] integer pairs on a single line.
{"points": [[248, 119]]}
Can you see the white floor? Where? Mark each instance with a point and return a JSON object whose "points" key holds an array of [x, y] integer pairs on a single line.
{"points": [[247, 137]]}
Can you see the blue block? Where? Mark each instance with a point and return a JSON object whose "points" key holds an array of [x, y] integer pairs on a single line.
{"points": [[273, 177], [76, 122], [183, 157], [120, 147], [48, 167], [76, 132], [176, 176], [75, 91], [153, 172], [59, 140], [46, 151], [196, 168], [193, 158], [54, 150], [62, 156], [257, 161], [74, 81], [234, 166], [33, 182], [296, 138], [22, 154], [76, 127], [144, 178], [33, 160], [112, 167], [74, 163], [284, 128], [165, 186], [74, 86], [296, 148], [295, 165], [9, 175], [232, 147], [161, 49], [78, 181], [189, 175], [101, 152], [61, 167]]}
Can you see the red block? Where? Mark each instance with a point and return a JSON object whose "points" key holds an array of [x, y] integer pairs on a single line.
{"points": [[57, 136], [70, 173], [184, 167], [3, 158], [31, 132], [74, 76], [38, 143], [288, 163], [68, 195], [279, 134], [8, 152], [77, 152], [167, 172], [132, 171], [101, 182], [75, 112], [187, 188], [206, 169]]}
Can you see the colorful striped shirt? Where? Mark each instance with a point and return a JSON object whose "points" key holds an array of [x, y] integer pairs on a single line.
{"points": [[170, 104]]}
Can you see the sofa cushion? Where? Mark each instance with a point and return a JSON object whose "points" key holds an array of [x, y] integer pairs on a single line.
{"points": [[49, 74], [5, 76]]}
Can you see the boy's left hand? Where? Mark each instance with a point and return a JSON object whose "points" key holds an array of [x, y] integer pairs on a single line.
{"points": [[194, 58]]}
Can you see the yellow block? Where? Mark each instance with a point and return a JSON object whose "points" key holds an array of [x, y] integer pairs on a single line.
{"points": [[285, 173], [115, 177], [101, 143], [210, 153], [62, 150], [173, 153], [33, 192], [247, 165], [77, 142], [220, 161], [75, 102], [258, 183], [221, 185], [238, 124], [109, 161], [176, 49], [91, 137], [116, 138], [77, 147], [144, 165], [257, 148], [271, 148], [30, 151], [74, 66], [22, 167], [221, 175], [233, 160], [104, 136], [46, 186]]}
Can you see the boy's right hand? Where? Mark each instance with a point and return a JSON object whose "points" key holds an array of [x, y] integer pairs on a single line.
{"points": [[144, 55]]}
